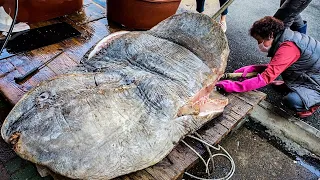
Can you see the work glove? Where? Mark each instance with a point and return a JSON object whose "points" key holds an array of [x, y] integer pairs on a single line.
{"points": [[244, 86], [251, 68]]}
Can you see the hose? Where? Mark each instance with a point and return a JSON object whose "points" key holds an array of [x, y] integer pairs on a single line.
{"points": [[11, 27]]}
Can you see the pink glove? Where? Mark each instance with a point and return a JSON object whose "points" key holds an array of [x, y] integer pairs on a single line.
{"points": [[244, 86], [252, 68]]}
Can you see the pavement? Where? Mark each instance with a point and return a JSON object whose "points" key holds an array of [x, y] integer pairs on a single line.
{"points": [[296, 136], [270, 144], [255, 158]]}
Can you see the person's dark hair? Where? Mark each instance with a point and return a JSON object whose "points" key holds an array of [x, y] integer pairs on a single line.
{"points": [[266, 27]]}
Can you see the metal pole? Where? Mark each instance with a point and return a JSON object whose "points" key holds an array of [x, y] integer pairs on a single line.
{"points": [[223, 7]]}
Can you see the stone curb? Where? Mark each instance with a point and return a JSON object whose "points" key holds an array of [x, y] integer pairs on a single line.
{"points": [[285, 126], [292, 119]]}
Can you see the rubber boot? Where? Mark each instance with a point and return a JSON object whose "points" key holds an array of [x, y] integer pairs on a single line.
{"points": [[200, 5], [303, 29]]}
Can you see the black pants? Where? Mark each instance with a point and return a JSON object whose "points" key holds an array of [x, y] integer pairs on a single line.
{"points": [[289, 13], [200, 6]]}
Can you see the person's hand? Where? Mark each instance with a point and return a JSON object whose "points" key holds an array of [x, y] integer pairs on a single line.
{"points": [[251, 68], [244, 86], [277, 82], [226, 85]]}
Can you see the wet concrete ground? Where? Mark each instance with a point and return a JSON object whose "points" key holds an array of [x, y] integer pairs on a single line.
{"points": [[256, 159]]}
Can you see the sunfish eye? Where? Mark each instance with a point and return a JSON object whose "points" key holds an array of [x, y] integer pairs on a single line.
{"points": [[44, 96]]}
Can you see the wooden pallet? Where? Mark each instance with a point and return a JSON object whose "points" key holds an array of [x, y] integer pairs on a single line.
{"points": [[93, 25]]}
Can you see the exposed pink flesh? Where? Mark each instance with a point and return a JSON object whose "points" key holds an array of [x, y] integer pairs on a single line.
{"points": [[201, 105], [212, 105], [205, 91]]}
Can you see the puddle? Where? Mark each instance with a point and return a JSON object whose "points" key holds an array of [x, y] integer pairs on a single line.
{"points": [[315, 170], [5, 54], [100, 2]]}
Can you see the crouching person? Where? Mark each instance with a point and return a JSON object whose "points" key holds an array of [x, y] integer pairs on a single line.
{"points": [[294, 56]]}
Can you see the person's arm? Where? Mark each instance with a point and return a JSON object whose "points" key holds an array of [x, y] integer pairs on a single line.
{"points": [[286, 55]]}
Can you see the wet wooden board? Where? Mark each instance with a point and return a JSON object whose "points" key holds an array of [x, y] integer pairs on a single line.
{"points": [[91, 21], [93, 25]]}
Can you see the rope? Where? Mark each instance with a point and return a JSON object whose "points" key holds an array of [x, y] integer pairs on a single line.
{"points": [[226, 155], [209, 151]]}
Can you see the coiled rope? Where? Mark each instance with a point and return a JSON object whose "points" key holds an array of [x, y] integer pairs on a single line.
{"points": [[211, 156]]}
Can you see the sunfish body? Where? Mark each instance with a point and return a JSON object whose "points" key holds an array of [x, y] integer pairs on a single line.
{"points": [[126, 107]]}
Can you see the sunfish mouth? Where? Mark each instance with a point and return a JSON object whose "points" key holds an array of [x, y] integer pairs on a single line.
{"points": [[205, 103]]}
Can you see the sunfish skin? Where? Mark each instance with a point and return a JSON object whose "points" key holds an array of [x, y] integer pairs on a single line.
{"points": [[127, 106]]}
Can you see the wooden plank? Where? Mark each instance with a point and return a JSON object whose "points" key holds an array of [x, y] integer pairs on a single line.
{"points": [[59, 64], [235, 115], [89, 12], [226, 122], [142, 175], [251, 97], [126, 177], [62, 64], [210, 135], [239, 106], [181, 158], [44, 23], [19, 60], [92, 29], [44, 73], [12, 91], [5, 67], [29, 61], [77, 47]]}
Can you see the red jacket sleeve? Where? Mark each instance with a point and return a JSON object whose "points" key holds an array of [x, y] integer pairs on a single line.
{"points": [[287, 54]]}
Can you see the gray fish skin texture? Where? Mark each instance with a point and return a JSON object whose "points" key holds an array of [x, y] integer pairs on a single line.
{"points": [[120, 111]]}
